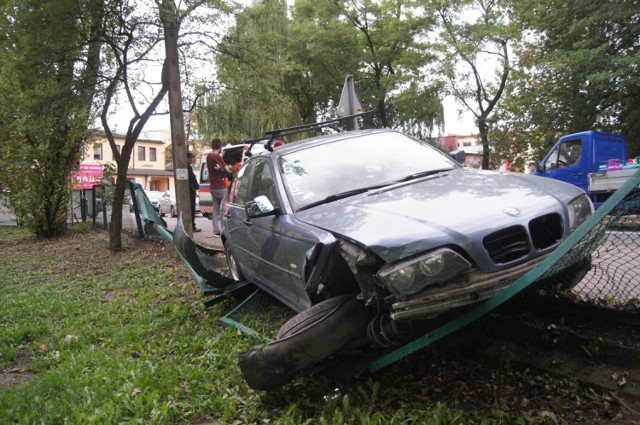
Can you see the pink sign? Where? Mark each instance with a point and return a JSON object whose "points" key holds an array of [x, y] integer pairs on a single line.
{"points": [[88, 175]]}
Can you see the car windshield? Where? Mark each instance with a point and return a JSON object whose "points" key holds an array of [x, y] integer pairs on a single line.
{"points": [[349, 166]]}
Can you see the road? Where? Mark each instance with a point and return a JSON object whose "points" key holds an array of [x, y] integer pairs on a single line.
{"points": [[205, 237]]}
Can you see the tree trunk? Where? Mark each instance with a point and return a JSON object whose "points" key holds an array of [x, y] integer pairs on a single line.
{"points": [[484, 138], [171, 78]]}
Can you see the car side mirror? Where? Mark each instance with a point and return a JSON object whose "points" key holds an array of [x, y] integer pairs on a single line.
{"points": [[260, 207], [458, 155], [540, 167]]}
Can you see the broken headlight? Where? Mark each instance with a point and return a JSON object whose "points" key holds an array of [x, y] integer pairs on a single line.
{"points": [[580, 209], [412, 276]]}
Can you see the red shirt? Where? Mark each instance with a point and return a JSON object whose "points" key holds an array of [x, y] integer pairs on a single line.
{"points": [[217, 171]]}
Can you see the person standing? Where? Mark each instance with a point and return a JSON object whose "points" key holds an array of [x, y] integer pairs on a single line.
{"points": [[193, 190], [218, 170]]}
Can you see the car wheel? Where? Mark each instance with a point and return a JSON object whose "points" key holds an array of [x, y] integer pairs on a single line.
{"points": [[234, 268], [160, 212], [173, 211], [306, 339]]}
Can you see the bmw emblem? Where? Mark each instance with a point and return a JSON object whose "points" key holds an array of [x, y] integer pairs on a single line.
{"points": [[513, 212]]}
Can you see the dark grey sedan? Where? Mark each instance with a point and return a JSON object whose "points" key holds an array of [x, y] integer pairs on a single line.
{"points": [[364, 232]]}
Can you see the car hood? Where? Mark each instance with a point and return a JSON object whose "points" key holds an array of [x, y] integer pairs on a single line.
{"points": [[453, 207]]}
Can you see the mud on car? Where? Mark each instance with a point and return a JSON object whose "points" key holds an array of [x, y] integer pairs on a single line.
{"points": [[366, 233]]}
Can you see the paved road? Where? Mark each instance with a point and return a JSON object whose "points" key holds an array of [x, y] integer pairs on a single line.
{"points": [[205, 237]]}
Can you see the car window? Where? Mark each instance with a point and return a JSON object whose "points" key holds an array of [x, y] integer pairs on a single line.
{"points": [[262, 182], [239, 189], [566, 154], [313, 174]]}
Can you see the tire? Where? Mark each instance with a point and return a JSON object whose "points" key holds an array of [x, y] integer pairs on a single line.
{"points": [[173, 211], [234, 268], [306, 339]]}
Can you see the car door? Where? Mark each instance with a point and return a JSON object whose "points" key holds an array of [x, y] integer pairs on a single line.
{"points": [[566, 163], [259, 242], [235, 221]]}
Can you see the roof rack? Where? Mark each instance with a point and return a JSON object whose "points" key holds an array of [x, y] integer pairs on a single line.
{"points": [[273, 134]]}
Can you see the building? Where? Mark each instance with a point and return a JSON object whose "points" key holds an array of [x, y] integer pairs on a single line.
{"points": [[471, 145], [151, 163]]}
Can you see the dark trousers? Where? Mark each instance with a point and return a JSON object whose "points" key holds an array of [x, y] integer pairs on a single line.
{"points": [[192, 198]]}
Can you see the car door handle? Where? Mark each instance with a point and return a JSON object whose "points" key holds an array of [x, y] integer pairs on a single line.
{"points": [[577, 174], [247, 222]]}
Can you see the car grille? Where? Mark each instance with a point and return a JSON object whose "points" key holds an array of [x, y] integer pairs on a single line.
{"points": [[512, 243]]}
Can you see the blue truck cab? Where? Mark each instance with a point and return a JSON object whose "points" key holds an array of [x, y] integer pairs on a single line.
{"points": [[575, 156]]}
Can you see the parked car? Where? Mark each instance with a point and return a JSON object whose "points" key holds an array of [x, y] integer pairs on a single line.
{"points": [[154, 197], [167, 204], [367, 233]]}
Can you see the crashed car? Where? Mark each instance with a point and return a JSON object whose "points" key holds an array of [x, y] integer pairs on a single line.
{"points": [[363, 233]]}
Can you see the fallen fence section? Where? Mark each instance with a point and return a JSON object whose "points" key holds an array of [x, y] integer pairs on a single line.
{"points": [[202, 262]]}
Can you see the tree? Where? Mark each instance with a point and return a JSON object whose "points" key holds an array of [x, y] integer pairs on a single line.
{"points": [[381, 43], [134, 41], [253, 69], [50, 54], [130, 38], [579, 70], [277, 72], [476, 34]]}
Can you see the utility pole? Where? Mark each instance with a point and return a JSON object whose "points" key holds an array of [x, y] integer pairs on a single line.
{"points": [[171, 23]]}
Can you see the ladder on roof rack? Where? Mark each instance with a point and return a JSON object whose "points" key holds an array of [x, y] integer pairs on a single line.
{"points": [[273, 134]]}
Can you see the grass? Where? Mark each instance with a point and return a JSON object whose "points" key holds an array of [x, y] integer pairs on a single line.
{"points": [[105, 339]]}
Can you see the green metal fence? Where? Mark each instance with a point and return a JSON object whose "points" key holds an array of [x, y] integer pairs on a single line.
{"points": [[612, 238]]}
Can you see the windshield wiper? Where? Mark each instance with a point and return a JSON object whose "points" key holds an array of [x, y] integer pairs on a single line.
{"points": [[341, 195], [421, 174]]}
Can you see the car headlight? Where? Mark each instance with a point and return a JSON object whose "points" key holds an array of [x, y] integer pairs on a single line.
{"points": [[412, 276], [580, 209]]}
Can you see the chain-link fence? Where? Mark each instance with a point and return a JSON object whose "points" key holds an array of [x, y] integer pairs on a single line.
{"points": [[607, 254]]}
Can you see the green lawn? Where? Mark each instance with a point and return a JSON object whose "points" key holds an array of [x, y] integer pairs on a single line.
{"points": [[90, 337]]}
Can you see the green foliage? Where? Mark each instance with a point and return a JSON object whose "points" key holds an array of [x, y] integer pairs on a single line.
{"points": [[278, 72], [252, 70], [126, 339], [578, 71], [382, 44], [45, 99], [476, 35]]}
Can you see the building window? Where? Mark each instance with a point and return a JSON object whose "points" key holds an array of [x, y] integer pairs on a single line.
{"points": [[97, 151], [152, 154], [467, 144], [142, 153]]}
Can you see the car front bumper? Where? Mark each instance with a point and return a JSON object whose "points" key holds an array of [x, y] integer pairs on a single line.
{"points": [[473, 288]]}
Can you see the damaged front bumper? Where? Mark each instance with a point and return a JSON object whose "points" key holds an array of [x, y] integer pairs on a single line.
{"points": [[472, 288]]}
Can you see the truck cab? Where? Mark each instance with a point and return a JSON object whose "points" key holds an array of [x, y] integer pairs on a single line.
{"points": [[575, 156]]}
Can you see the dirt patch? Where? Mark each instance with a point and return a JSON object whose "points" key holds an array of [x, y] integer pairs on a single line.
{"points": [[14, 378]]}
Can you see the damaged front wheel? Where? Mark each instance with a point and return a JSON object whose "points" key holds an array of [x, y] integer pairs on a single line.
{"points": [[307, 338]]}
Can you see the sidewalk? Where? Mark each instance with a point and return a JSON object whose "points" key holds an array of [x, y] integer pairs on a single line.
{"points": [[204, 237]]}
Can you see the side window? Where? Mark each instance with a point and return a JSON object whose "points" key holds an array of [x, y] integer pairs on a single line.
{"points": [[572, 151], [565, 154], [239, 189], [263, 183]]}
